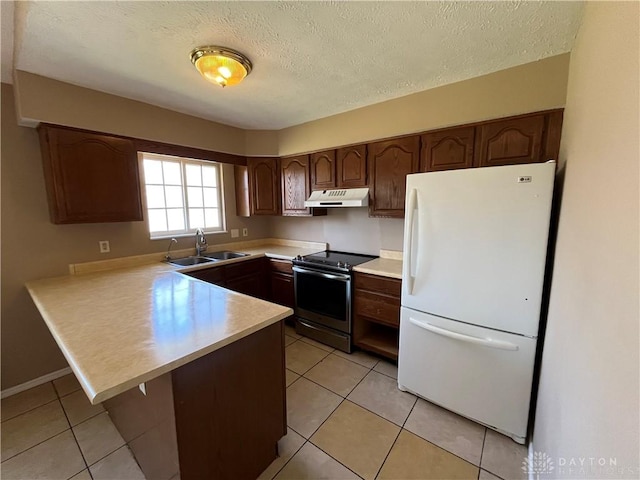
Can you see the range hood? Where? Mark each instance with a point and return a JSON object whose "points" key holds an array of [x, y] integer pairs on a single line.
{"points": [[350, 197]]}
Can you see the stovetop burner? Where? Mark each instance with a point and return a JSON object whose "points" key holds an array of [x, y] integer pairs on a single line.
{"points": [[333, 260]]}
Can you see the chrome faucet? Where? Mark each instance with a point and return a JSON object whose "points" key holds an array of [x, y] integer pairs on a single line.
{"points": [[167, 257], [201, 242]]}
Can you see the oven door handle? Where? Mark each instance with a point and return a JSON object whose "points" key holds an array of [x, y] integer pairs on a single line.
{"points": [[330, 276]]}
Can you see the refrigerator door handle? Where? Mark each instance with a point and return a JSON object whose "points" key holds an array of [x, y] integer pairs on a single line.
{"points": [[413, 197], [485, 342]]}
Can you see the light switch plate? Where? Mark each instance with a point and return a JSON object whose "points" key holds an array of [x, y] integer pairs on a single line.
{"points": [[235, 233], [245, 232]]}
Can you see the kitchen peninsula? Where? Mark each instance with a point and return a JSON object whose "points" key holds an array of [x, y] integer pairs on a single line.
{"points": [[191, 373]]}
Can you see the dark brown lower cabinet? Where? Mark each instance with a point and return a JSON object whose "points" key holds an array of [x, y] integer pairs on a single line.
{"points": [[247, 276], [217, 417], [281, 279], [376, 314]]}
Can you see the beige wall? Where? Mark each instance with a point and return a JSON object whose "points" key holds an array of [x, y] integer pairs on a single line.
{"points": [[33, 248], [534, 86], [260, 143], [41, 99], [344, 229], [588, 401]]}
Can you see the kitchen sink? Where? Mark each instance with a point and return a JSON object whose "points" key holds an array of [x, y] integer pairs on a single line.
{"points": [[188, 261], [224, 255]]}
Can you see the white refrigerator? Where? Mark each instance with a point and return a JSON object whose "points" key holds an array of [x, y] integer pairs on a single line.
{"points": [[475, 245]]}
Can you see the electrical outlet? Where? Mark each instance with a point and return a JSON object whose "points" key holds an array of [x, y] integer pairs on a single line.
{"points": [[104, 246], [245, 232], [235, 233]]}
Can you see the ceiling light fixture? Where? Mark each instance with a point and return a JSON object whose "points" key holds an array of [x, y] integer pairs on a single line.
{"points": [[221, 65]]}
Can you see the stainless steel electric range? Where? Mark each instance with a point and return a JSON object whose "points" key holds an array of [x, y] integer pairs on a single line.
{"points": [[322, 283]]}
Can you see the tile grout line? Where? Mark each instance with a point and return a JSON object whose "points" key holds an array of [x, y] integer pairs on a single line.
{"points": [[371, 369], [307, 370], [125, 444], [484, 439], [30, 410], [320, 448], [46, 439], [440, 446], [335, 459], [388, 453], [344, 399], [73, 433], [34, 446], [397, 436], [292, 455]]}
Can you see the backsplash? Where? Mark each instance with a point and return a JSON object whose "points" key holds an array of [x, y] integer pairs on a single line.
{"points": [[344, 229]]}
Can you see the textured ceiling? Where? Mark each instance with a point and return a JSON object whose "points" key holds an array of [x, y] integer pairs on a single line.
{"points": [[311, 59]]}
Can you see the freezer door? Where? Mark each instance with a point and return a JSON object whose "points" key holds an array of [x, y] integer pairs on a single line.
{"points": [[478, 373], [476, 242]]}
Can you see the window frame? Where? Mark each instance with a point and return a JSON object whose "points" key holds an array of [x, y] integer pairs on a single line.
{"points": [[183, 161]]}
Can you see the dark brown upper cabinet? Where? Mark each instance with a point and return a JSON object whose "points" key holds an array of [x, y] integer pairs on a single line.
{"points": [[323, 170], [551, 141], [389, 163], [295, 181], [264, 186], [351, 166], [448, 149], [510, 141], [90, 177]]}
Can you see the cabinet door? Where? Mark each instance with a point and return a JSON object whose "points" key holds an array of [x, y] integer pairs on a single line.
{"points": [[90, 177], [389, 164], [213, 275], [282, 291], [295, 185], [447, 149], [552, 136], [250, 285], [243, 202], [263, 186], [509, 142], [352, 166], [248, 277], [323, 170]]}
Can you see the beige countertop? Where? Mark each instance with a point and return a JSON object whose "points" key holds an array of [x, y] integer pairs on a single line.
{"points": [[121, 327], [388, 265]]}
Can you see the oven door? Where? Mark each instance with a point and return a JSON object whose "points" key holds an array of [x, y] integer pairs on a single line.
{"points": [[323, 297]]}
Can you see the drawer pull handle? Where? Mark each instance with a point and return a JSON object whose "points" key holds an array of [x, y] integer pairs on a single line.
{"points": [[485, 342]]}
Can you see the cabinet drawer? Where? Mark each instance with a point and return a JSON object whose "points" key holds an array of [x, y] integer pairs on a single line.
{"points": [[282, 291], [374, 283], [382, 308], [241, 269], [283, 266]]}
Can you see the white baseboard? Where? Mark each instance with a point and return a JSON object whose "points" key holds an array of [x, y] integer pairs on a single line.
{"points": [[35, 382]]}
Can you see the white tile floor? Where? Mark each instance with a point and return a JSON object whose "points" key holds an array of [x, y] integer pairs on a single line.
{"points": [[346, 418], [52, 431]]}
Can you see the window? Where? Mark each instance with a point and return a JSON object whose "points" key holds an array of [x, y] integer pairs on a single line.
{"points": [[182, 195]]}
